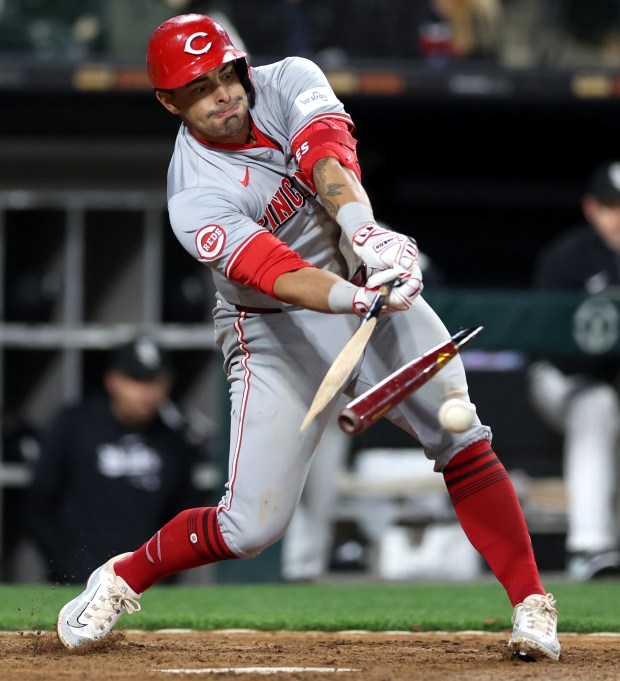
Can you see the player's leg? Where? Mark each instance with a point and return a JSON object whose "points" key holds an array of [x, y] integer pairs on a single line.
{"points": [[270, 458], [585, 413], [591, 441], [483, 496], [274, 364]]}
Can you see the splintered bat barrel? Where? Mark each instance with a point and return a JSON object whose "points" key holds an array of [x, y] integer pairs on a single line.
{"points": [[368, 408]]}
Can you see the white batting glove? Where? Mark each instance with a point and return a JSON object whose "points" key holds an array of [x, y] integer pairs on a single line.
{"points": [[383, 249], [346, 297], [407, 288], [378, 247]]}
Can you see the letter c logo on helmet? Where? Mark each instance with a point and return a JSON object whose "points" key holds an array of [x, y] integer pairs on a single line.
{"points": [[176, 54], [193, 50]]}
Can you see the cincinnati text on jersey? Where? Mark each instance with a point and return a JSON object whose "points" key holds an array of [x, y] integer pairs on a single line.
{"points": [[286, 201]]}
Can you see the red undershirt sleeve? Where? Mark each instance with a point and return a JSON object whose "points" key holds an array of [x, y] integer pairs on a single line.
{"points": [[260, 260]]}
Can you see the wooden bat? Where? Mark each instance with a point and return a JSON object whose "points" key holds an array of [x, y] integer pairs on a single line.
{"points": [[368, 408], [343, 365]]}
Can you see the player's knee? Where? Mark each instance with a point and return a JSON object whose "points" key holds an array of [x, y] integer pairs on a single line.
{"points": [[248, 540]]}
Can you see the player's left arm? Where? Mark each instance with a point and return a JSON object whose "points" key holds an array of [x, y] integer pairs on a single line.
{"points": [[325, 149], [345, 199]]}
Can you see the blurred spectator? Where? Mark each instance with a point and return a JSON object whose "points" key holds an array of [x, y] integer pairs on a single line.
{"points": [[457, 29], [119, 463], [579, 395]]}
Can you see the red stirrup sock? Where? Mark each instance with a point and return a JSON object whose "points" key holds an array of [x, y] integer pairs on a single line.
{"points": [[489, 512], [190, 539]]}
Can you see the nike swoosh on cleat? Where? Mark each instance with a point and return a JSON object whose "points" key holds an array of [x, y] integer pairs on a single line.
{"points": [[246, 178], [74, 620]]}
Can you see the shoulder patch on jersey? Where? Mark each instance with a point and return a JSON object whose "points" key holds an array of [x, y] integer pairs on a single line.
{"points": [[210, 241], [309, 100]]}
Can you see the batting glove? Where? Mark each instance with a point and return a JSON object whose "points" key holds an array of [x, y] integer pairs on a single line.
{"points": [[407, 288], [346, 297], [383, 249]]}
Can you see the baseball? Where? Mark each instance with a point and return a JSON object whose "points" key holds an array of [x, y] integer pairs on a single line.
{"points": [[456, 415]]}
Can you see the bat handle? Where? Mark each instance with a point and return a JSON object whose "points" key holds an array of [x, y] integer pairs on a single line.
{"points": [[377, 304]]}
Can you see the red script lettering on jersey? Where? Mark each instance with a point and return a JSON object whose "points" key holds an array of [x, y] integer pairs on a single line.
{"points": [[287, 200], [210, 241]]}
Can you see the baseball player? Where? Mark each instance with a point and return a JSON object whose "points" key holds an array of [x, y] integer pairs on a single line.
{"points": [[264, 188]]}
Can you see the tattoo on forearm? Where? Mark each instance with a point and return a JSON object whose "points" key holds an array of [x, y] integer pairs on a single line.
{"points": [[326, 190]]}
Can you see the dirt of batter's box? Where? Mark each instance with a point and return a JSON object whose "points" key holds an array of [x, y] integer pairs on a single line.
{"points": [[251, 656]]}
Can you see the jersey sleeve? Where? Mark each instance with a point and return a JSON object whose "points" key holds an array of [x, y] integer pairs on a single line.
{"points": [[221, 237], [306, 95]]}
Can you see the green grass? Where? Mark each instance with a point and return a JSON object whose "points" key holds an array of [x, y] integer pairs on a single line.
{"points": [[590, 607]]}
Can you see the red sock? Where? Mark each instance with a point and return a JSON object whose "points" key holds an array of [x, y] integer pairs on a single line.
{"points": [[190, 539], [489, 512]]}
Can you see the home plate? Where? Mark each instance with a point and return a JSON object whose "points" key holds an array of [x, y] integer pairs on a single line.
{"points": [[256, 670]]}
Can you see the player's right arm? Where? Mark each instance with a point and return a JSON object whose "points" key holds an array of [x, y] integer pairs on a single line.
{"points": [[240, 251]]}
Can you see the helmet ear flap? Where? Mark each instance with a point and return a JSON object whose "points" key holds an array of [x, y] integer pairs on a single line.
{"points": [[242, 70]]}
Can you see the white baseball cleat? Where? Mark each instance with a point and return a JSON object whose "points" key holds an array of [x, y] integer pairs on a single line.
{"points": [[91, 615], [535, 628]]}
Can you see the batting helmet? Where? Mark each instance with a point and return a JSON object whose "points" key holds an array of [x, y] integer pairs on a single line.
{"points": [[185, 47]]}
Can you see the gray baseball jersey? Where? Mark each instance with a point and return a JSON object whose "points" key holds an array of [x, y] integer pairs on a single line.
{"points": [[218, 201], [220, 198]]}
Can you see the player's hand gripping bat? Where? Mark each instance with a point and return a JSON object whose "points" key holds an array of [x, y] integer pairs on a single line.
{"points": [[343, 365], [368, 408]]}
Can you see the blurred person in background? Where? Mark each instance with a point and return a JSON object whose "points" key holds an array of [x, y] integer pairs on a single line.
{"points": [[308, 541], [578, 396], [459, 29], [118, 463]]}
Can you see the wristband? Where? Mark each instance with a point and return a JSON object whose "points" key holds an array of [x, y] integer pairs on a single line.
{"points": [[340, 297], [354, 215]]}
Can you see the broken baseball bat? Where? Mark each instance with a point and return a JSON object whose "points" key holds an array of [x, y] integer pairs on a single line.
{"points": [[368, 408]]}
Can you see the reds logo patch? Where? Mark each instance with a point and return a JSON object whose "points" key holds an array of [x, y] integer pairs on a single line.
{"points": [[210, 241]]}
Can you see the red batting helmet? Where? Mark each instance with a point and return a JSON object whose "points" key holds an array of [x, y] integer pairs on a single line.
{"points": [[185, 47]]}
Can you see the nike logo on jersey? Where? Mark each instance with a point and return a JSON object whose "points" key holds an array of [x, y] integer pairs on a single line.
{"points": [[246, 178]]}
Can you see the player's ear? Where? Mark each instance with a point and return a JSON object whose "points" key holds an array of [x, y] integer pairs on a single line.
{"points": [[166, 99]]}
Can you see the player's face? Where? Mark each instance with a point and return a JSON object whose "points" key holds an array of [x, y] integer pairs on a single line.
{"points": [[214, 106], [606, 220]]}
